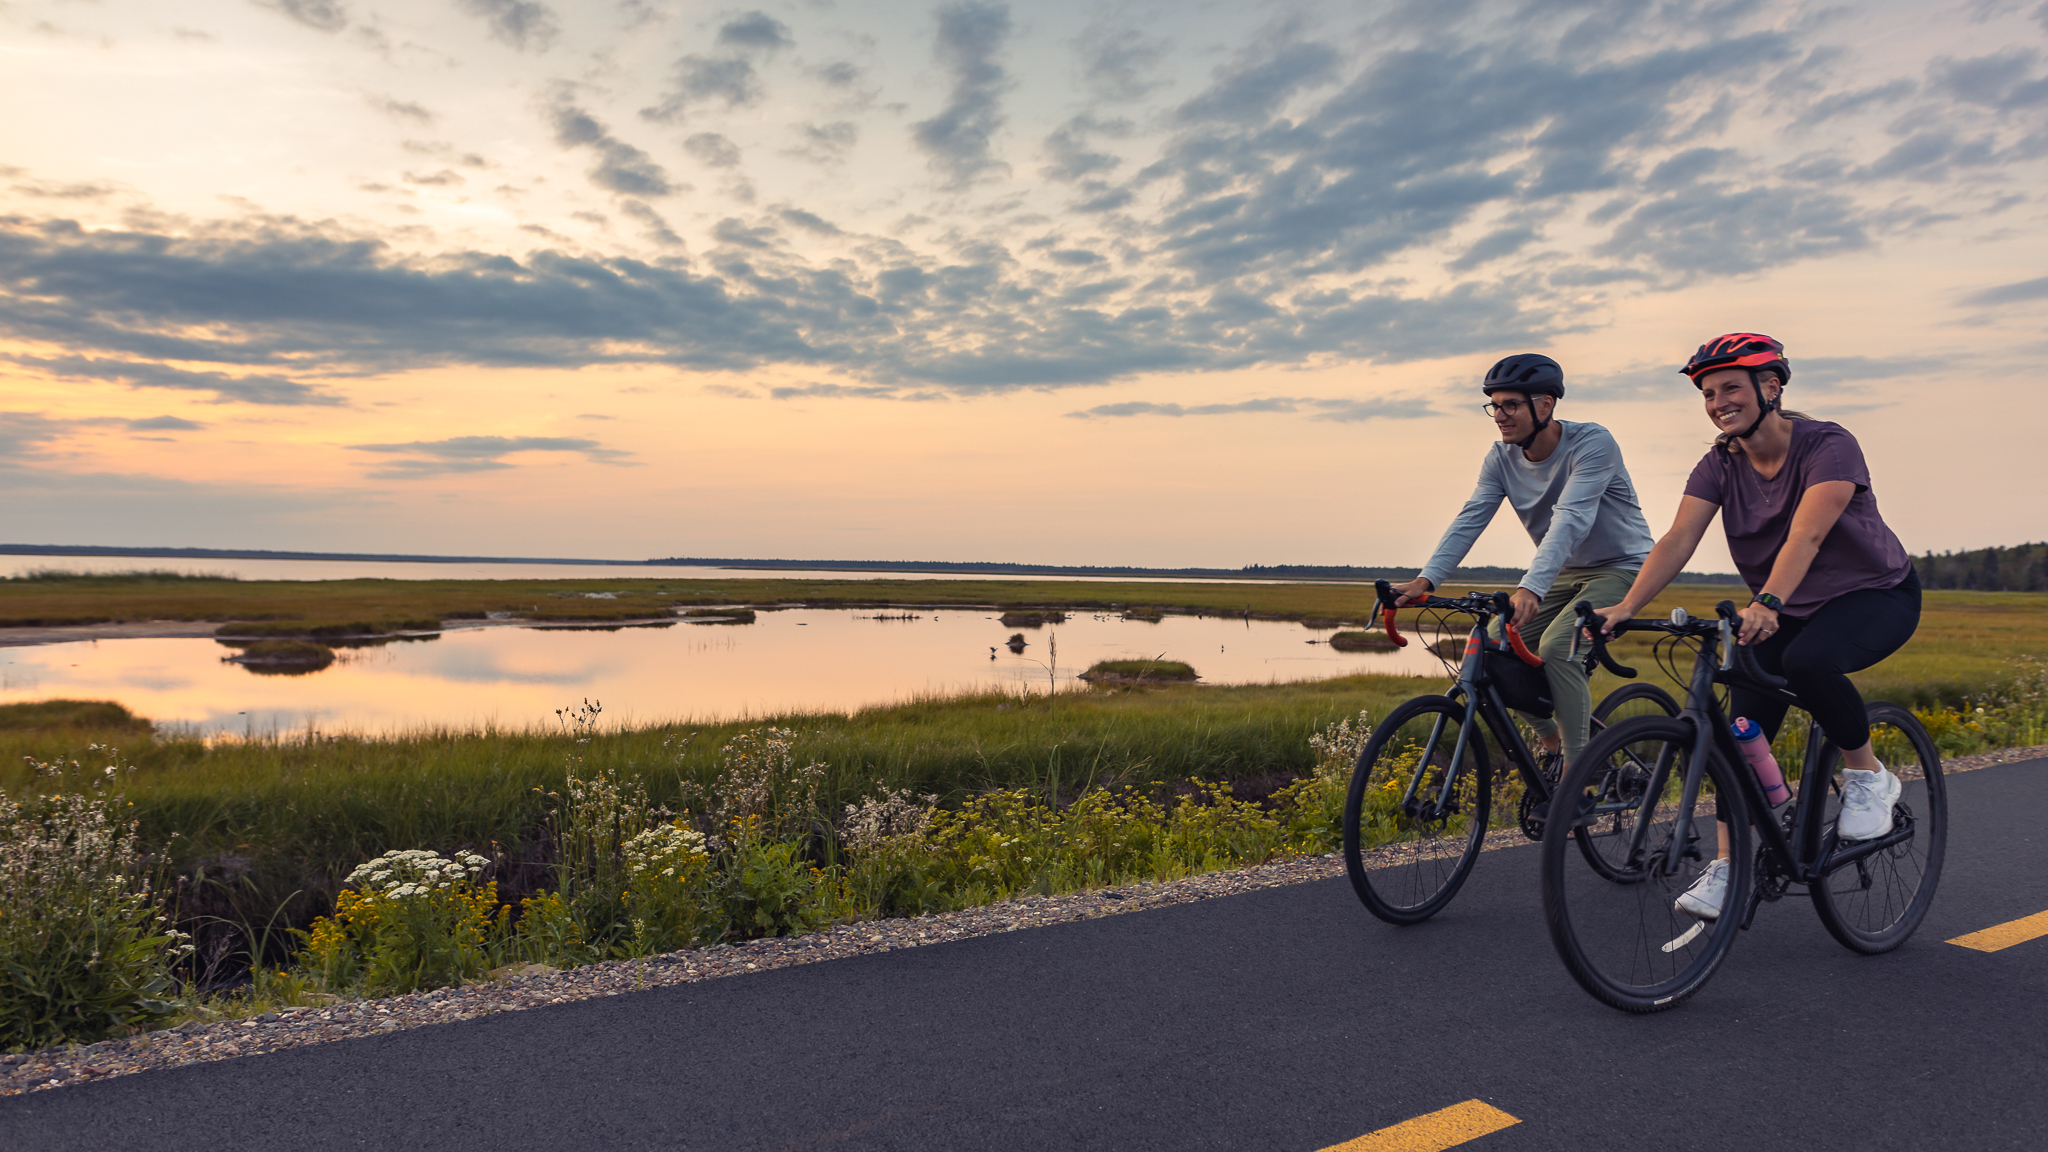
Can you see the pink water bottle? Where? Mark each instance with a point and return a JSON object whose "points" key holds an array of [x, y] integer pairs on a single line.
{"points": [[1749, 737]]}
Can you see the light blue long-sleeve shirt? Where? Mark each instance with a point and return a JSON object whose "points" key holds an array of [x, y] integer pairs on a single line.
{"points": [[1577, 503]]}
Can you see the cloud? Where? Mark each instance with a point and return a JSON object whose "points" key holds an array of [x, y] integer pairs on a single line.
{"points": [[1119, 65], [2020, 291], [826, 143], [810, 222], [261, 295], [320, 15], [621, 167], [655, 227], [1342, 410], [1067, 148], [247, 389], [1492, 246], [524, 24], [713, 150], [2003, 81], [82, 190], [756, 31], [399, 109], [1828, 373], [24, 435], [164, 424], [1726, 229], [459, 454], [730, 79], [960, 140]]}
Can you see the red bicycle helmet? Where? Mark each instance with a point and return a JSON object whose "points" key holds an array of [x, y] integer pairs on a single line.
{"points": [[1751, 350]]}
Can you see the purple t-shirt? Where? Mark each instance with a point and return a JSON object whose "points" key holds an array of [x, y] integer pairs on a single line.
{"points": [[1859, 552]]}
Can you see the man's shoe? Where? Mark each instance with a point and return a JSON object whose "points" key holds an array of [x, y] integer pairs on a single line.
{"points": [[1704, 899], [1867, 799]]}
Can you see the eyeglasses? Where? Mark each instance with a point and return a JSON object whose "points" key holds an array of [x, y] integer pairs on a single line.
{"points": [[1507, 410]]}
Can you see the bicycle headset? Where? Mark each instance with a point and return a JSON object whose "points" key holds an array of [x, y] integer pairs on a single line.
{"points": [[1532, 374], [1751, 350]]}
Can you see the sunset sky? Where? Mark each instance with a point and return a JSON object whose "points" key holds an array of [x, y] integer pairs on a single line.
{"points": [[1164, 284]]}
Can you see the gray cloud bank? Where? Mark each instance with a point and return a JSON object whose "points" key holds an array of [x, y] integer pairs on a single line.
{"points": [[1276, 213]]}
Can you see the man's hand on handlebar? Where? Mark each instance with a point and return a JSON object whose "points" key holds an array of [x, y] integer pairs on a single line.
{"points": [[1614, 617], [1526, 603], [1411, 592]]}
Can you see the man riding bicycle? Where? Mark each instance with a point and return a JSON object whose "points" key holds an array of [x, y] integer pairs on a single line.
{"points": [[1572, 491]]}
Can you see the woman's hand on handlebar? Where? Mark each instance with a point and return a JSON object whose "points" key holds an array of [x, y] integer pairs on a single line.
{"points": [[1759, 624], [1412, 592], [1614, 617]]}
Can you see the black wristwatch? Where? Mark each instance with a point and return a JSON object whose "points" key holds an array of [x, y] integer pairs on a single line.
{"points": [[1768, 601]]}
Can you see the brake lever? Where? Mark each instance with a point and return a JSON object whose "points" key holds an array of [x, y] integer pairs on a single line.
{"points": [[1740, 657], [1590, 625], [1385, 592]]}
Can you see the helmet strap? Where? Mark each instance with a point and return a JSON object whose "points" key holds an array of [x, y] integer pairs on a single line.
{"points": [[1764, 407], [1541, 423]]}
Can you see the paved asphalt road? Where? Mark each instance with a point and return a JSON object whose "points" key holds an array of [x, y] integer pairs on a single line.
{"points": [[1286, 1019]]}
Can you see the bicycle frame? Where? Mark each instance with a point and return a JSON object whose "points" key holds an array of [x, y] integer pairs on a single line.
{"points": [[1482, 702], [1811, 853]]}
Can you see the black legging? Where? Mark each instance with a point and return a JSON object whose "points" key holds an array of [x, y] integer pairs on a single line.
{"points": [[1816, 653]]}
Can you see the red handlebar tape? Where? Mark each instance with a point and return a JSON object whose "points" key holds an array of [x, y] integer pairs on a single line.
{"points": [[1393, 633], [1520, 649]]}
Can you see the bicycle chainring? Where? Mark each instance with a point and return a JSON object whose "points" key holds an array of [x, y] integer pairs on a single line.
{"points": [[1771, 881], [1532, 824]]}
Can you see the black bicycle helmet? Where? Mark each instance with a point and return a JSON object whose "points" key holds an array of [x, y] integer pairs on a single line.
{"points": [[1532, 374], [1529, 372]]}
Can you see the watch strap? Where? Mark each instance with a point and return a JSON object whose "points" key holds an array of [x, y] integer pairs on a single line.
{"points": [[1768, 601]]}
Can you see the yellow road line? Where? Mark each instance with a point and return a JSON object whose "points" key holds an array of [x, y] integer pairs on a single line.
{"points": [[2007, 934], [1447, 1128]]}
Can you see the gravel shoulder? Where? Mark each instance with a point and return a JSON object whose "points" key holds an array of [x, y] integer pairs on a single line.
{"points": [[195, 1043]]}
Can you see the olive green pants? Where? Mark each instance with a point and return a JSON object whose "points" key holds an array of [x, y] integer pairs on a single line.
{"points": [[1570, 694]]}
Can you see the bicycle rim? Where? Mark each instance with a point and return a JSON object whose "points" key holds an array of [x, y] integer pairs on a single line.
{"points": [[1632, 700], [1618, 930], [1406, 854], [1874, 904]]}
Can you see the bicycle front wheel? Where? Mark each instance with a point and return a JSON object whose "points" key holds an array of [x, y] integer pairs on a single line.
{"points": [[1415, 817], [1632, 700], [1618, 927], [1873, 902]]}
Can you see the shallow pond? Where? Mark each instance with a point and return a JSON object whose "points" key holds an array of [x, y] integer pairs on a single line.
{"points": [[799, 659]]}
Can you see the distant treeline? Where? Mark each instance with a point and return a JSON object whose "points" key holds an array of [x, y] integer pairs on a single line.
{"points": [[2020, 568]]}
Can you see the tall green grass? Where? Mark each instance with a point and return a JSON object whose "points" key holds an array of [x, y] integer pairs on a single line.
{"points": [[268, 828]]}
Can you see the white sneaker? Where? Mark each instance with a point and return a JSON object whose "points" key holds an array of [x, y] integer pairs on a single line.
{"points": [[1867, 799], [1707, 894]]}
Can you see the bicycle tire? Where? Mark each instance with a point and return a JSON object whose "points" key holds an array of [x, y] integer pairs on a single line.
{"points": [[1873, 908], [1400, 862], [1605, 931], [1631, 693]]}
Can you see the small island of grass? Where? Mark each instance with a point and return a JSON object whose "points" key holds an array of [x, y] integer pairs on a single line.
{"points": [[1139, 672], [1361, 642], [284, 655]]}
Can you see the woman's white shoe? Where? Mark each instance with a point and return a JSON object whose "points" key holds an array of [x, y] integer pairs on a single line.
{"points": [[1867, 799], [1707, 894]]}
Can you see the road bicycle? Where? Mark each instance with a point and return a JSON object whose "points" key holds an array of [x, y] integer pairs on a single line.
{"points": [[1420, 803], [1642, 789]]}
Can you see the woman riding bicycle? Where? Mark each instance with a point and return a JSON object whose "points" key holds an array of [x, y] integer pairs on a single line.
{"points": [[1833, 589]]}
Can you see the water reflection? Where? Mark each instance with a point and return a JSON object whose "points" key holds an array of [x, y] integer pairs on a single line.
{"points": [[801, 659]]}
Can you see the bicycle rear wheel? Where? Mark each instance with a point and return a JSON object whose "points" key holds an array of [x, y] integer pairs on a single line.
{"points": [[1617, 928], [1409, 840], [1874, 903]]}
